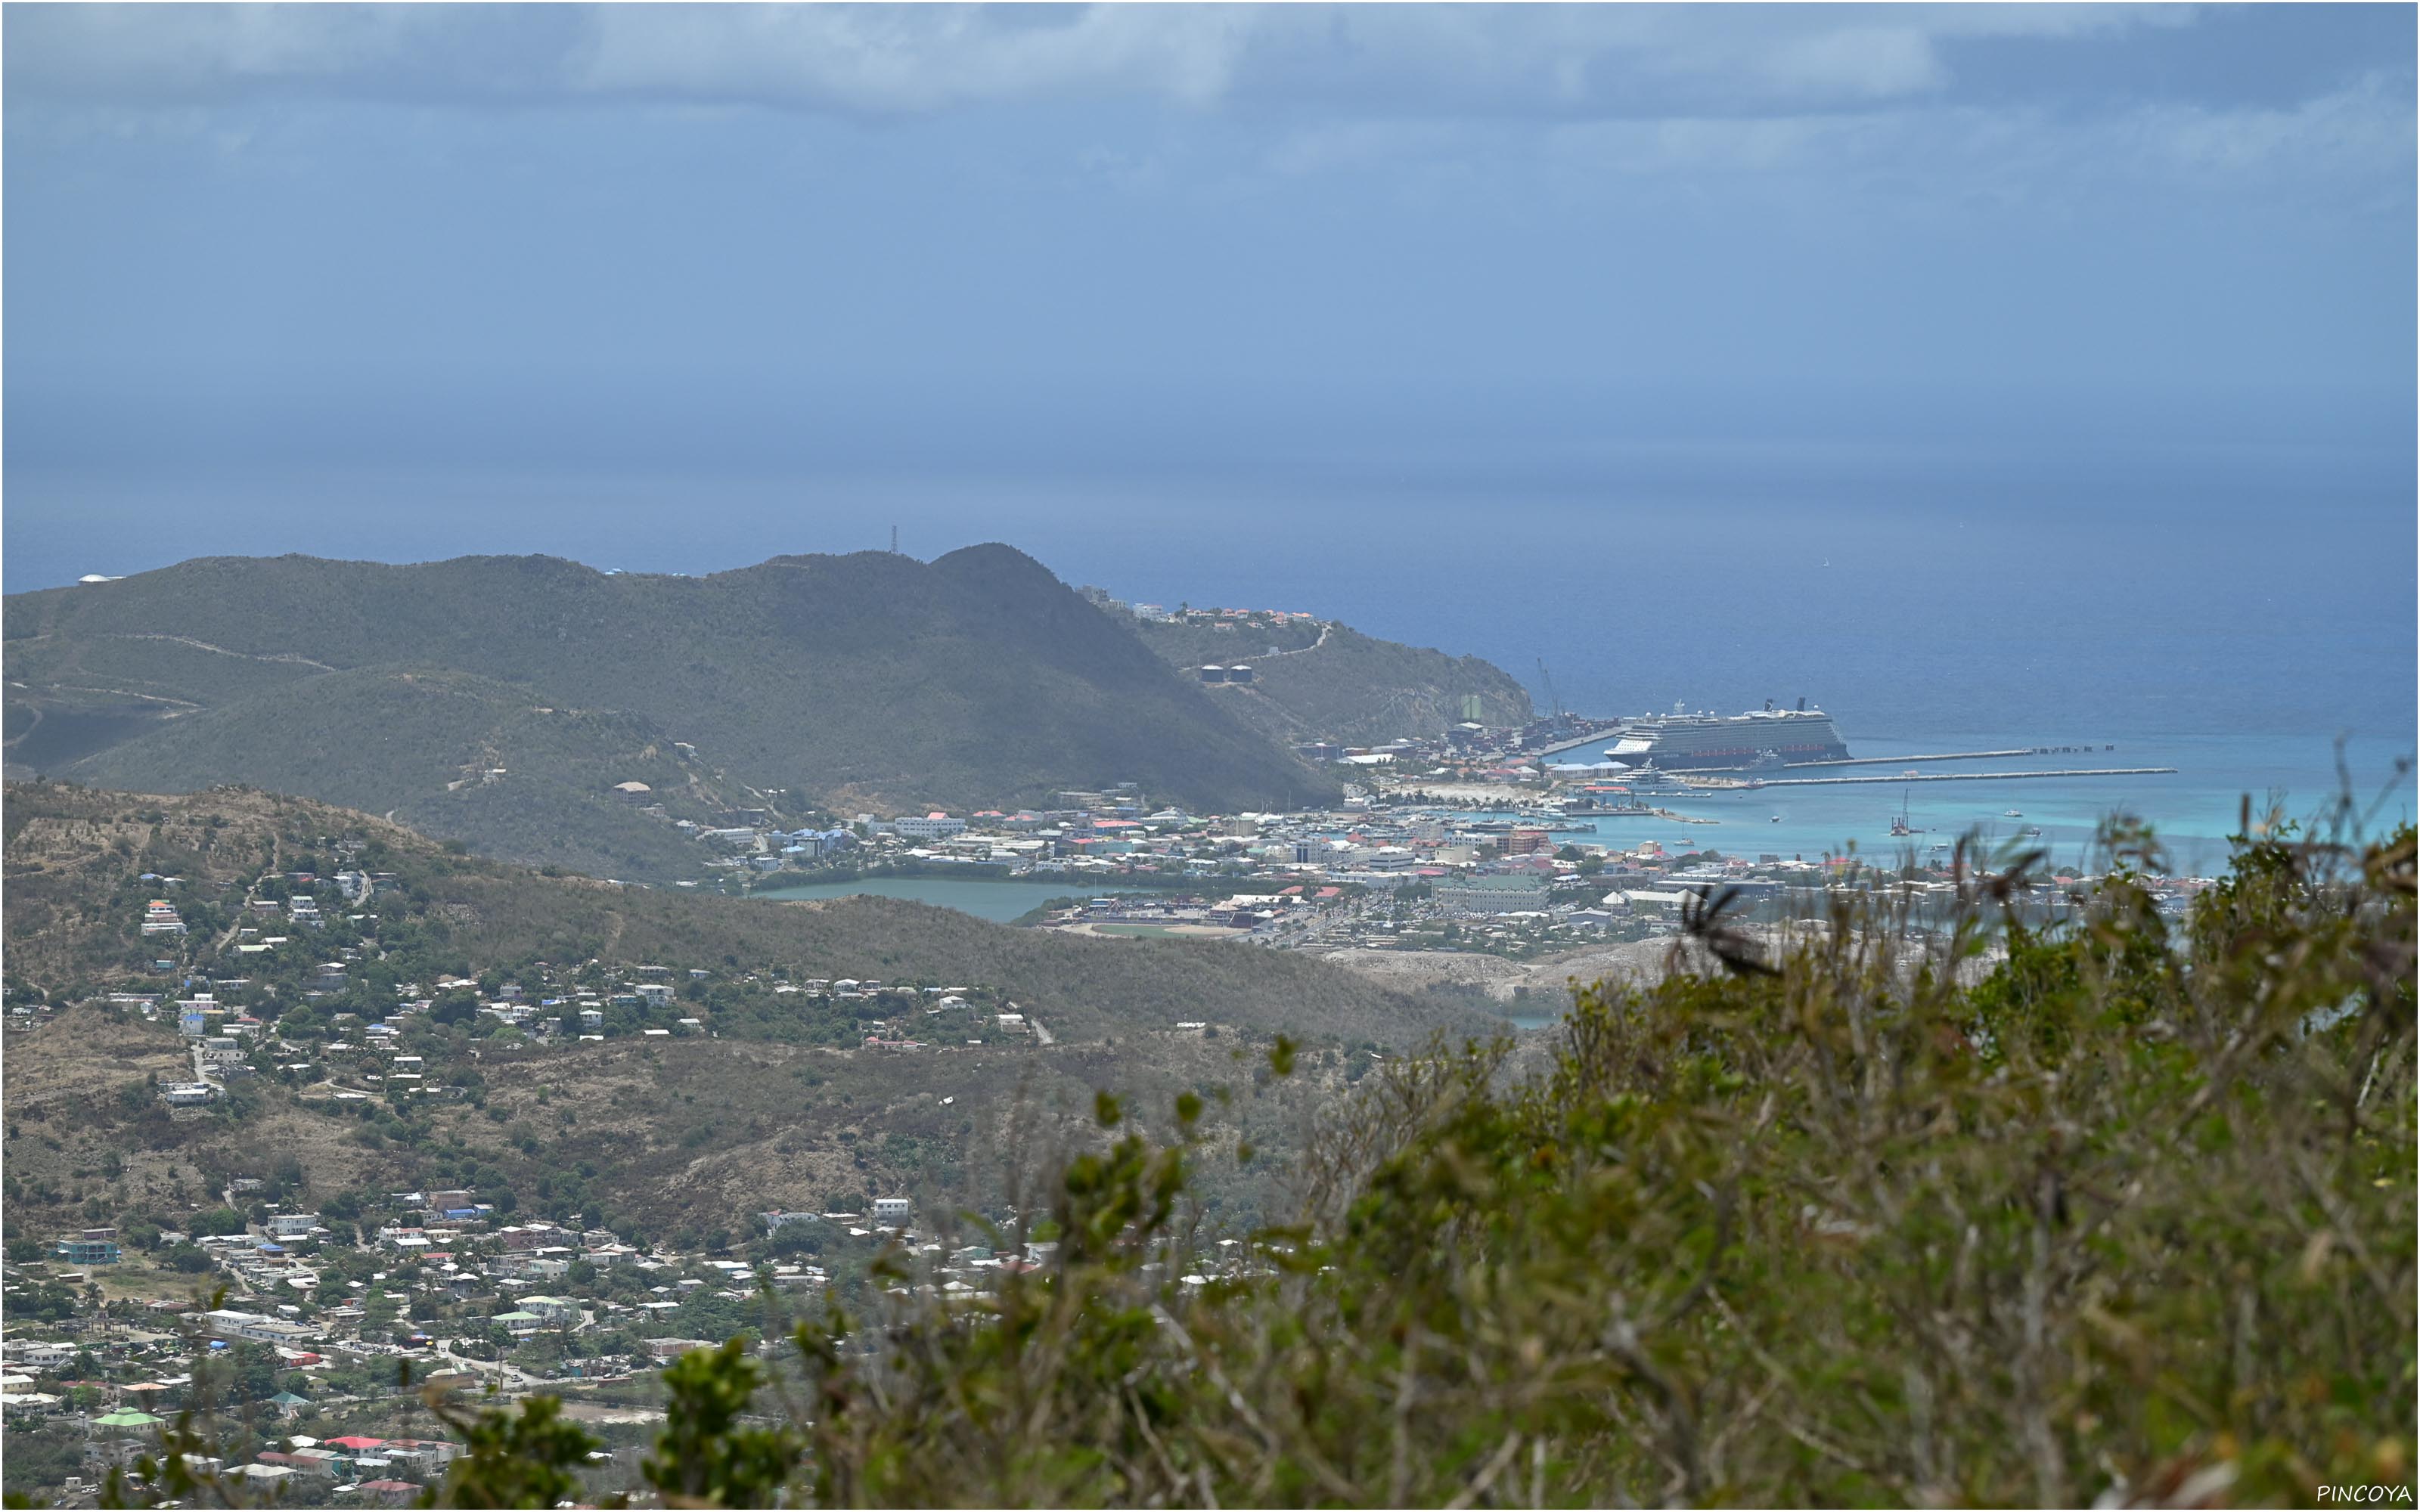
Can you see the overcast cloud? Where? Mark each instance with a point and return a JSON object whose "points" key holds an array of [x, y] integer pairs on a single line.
{"points": [[1560, 60], [1291, 237]]}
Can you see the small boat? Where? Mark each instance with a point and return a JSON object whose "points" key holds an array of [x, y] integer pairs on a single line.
{"points": [[2014, 814], [1777, 819], [2030, 832]]}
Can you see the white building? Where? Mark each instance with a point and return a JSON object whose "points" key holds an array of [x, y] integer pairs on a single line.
{"points": [[1491, 895], [235, 1325]]}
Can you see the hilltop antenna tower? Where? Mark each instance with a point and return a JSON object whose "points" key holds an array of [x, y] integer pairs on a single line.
{"points": [[895, 540]]}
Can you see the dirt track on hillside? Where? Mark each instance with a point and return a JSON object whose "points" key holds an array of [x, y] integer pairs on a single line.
{"points": [[1633, 964], [1640, 963]]}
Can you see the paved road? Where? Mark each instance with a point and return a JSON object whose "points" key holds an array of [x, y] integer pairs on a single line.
{"points": [[508, 1377]]}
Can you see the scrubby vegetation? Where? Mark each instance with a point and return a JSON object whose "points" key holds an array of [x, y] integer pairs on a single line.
{"points": [[2100, 1212], [456, 756], [752, 1093], [2134, 1216], [495, 700], [76, 893], [1341, 684]]}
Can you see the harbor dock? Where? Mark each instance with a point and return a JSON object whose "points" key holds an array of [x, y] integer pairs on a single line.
{"points": [[1965, 776], [1952, 756]]}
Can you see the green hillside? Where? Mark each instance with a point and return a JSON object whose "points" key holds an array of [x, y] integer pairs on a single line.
{"points": [[768, 1099], [1334, 682], [870, 680], [75, 896], [451, 755]]}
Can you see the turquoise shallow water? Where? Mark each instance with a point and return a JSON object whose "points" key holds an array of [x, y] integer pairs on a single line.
{"points": [[998, 902], [2193, 810]]}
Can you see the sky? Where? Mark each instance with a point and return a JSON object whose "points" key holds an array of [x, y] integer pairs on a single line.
{"points": [[1173, 295]]}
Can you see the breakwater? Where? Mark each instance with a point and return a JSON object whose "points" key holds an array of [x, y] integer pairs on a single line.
{"points": [[1896, 779], [1952, 756]]}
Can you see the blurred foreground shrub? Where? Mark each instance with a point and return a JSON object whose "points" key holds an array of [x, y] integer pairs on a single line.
{"points": [[2116, 1208]]}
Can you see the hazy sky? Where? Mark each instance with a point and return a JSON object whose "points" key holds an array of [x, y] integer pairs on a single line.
{"points": [[1367, 244]]}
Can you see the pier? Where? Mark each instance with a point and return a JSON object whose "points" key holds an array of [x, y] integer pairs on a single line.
{"points": [[1962, 777], [1611, 730], [1953, 756]]}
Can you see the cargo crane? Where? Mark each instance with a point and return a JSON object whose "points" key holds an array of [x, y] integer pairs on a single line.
{"points": [[1562, 717]]}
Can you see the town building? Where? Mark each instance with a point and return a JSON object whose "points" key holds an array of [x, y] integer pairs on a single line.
{"points": [[93, 1246], [228, 1324], [1491, 895]]}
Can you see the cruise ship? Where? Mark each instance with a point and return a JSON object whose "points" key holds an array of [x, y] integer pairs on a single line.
{"points": [[1763, 738]]}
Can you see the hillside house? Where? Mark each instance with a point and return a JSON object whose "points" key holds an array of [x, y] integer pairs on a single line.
{"points": [[230, 1324], [93, 1246]]}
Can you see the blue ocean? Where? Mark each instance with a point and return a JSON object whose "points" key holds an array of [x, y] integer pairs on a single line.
{"points": [[2243, 616], [2193, 811]]}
